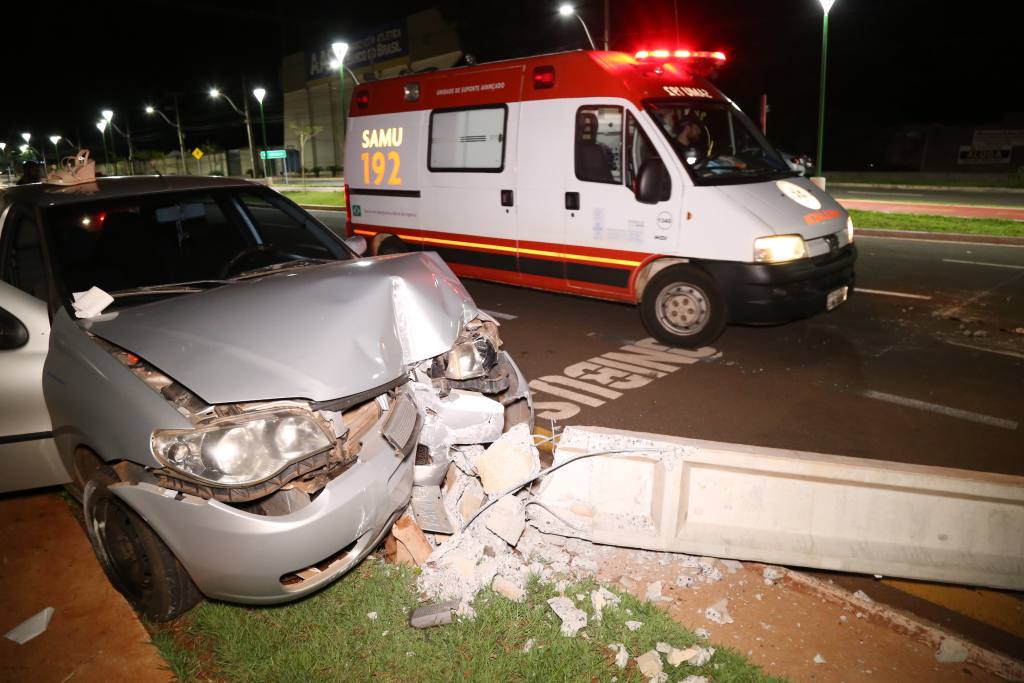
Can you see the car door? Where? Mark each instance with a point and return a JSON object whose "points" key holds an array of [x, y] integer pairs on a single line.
{"points": [[28, 456]]}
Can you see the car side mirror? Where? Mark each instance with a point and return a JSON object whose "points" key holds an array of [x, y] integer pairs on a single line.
{"points": [[13, 333], [356, 243], [653, 183]]}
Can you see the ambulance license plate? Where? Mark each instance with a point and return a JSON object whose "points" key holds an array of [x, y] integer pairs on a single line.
{"points": [[835, 298]]}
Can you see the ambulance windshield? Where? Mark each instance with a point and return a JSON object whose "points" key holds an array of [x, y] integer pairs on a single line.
{"points": [[717, 143]]}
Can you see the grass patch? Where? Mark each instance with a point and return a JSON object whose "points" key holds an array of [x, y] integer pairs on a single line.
{"points": [[906, 221], [329, 637], [926, 179], [336, 198]]}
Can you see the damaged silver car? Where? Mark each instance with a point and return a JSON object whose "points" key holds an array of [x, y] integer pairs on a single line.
{"points": [[241, 402]]}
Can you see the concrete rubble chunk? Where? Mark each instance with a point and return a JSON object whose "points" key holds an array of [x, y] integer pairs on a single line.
{"points": [[508, 461], [862, 596], [411, 536], [772, 575], [732, 566], [702, 657], [621, 654], [818, 659], [507, 519], [573, 618], [663, 648], [528, 645], [650, 665], [677, 656], [950, 651], [653, 592], [503, 586], [634, 625], [695, 679], [372, 616], [719, 612], [684, 581], [470, 502], [702, 632], [600, 598]]}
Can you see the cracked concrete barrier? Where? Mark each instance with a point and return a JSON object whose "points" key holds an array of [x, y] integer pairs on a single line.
{"points": [[786, 507]]}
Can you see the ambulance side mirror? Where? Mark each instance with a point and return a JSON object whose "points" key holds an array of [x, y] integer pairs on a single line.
{"points": [[653, 184]]}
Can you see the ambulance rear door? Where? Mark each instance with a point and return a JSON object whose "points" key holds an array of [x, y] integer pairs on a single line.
{"points": [[471, 167], [611, 232]]}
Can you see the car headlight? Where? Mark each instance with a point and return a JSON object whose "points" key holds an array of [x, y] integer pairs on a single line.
{"points": [[475, 352], [240, 451], [779, 248], [849, 230]]}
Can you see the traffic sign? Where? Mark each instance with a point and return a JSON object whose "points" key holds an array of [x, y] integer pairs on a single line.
{"points": [[197, 153], [274, 154]]}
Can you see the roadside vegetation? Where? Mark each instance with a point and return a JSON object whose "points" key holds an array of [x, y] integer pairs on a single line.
{"points": [[994, 180], [330, 636], [946, 224], [315, 199]]}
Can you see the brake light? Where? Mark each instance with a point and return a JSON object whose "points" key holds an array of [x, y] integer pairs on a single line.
{"points": [[362, 98], [348, 214], [544, 77]]}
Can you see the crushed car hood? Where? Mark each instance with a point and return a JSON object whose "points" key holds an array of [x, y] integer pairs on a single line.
{"points": [[821, 215], [320, 332]]}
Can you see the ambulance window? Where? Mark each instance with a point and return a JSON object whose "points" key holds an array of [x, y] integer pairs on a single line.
{"points": [[468, 140], [638, 150], [599, 144]]}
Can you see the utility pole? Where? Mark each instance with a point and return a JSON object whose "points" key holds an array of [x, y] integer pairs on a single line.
{"points": [[248, 126], [181, 136], [607, 22]]}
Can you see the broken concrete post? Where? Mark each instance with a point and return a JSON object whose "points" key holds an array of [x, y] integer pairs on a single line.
{"points": [[411, 537], [508, 461], [573, 618]]}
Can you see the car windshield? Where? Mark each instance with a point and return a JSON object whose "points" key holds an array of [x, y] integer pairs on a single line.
{"points": [[717, 143], [145, 246]]}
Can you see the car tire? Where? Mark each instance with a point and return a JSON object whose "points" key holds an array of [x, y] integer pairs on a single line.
{"points": [[139, 565], [682, 306], [390, 245]]}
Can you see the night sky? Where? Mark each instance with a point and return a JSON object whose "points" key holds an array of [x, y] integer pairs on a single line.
{"points": [[891, 62]]}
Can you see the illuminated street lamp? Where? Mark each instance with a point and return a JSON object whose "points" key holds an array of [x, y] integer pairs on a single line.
{"points": [[259, 94], [826, 5], [101, 126], [567, 10], [215, 93], [176, 124], [126, 134], [55, 141], [108, 120], [340, 49]]}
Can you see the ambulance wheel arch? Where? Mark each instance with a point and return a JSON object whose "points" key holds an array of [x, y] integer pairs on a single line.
{"points": [[385, 243], [680, 303]]}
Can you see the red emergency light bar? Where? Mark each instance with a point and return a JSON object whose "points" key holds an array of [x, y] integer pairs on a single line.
{"points": [[644, 55]]}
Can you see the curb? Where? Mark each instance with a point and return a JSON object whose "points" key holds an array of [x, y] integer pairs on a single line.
{"points": [[320, 207], [995, 663], [936, 188], [941, 236]]}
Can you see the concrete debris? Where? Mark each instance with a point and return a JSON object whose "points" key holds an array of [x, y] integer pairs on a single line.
{"points": [[650, 665], [510, 590], [732, 566], [508, 461], [772, 575], [528, 645], [621, 654], [507, 519], [663, 648], [719, 612], [634, 625], [950, 651], [695, 679], [818, 659], [684, 581], [653, 593], [573, 618], [438, 614], [862, 596], [463, 457], [677, 656], [372, 616], [628, 583], [600, 598], [470, 501], [702, 657], [412, 539], [702, 632]]}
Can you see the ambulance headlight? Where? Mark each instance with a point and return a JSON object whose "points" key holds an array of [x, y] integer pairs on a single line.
{"points": [[849, 230], [779, 248]]}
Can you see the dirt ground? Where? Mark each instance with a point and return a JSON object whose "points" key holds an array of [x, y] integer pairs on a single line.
{"points": [[782, 627], [47, 561]]}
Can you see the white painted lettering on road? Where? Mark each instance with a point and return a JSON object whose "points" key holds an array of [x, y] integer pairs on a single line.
{"points": [[499, 316], [940, 409], [1001, 352], [883, 292], [604, 378], [983, 263]]}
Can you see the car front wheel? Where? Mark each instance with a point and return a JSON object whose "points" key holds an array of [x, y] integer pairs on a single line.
{"points": [[682, 306], [137, 562]]}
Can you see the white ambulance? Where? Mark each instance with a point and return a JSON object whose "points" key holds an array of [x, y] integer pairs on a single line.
{"points": [[603, 174]]}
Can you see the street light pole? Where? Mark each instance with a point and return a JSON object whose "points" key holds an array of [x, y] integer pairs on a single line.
{"points": [[259, 94], [55, 139], [568, 10], [108, 116], [340, 49], [101, 126], [826, 5], [215, 93], [181, 136]]}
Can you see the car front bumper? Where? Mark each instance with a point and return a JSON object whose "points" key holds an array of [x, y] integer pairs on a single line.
{"points": [[761, 293]]}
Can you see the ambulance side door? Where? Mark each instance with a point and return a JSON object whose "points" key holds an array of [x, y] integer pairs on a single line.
{"points": [[616, 231]]}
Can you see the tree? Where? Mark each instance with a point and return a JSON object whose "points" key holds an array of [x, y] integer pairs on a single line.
{"points": [[305, 134]]}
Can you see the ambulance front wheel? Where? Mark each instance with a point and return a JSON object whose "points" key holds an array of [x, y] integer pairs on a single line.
{"points": [[384, 244], [682, 306]]}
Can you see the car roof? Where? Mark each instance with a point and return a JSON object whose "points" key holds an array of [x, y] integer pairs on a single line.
{"points": [[43, 194]]}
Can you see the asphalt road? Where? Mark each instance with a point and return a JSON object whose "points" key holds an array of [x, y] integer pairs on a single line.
{"points": [[891, 374], [941, 196]]}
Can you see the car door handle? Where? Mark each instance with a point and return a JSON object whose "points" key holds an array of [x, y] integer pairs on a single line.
{"points": [[572, 201], [506, 197]]}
